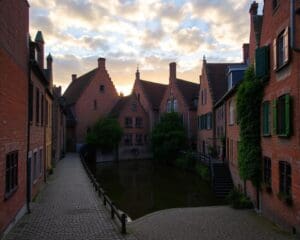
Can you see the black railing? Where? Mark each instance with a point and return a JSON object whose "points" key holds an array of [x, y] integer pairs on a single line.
{"points": [[114, 211]]}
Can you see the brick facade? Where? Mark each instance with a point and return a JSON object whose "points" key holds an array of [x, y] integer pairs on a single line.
{"points": [[13, 104]]}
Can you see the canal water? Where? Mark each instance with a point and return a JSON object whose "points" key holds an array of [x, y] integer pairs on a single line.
{"points": [[139, 187]]}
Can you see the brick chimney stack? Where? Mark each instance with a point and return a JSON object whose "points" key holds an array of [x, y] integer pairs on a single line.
{"points": [[253, 8], [101, 63], [74, 76], [246, 53], [137, 74], [172, 71], [39, 39]]}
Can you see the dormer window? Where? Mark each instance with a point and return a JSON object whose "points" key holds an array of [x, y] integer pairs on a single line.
{"points": [[102, 88]]}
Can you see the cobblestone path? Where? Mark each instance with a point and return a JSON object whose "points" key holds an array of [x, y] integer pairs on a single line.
{"points": [[206, 223], [67, 209]]}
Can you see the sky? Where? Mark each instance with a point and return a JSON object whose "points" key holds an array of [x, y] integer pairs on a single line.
{"points": [[145, 33]]}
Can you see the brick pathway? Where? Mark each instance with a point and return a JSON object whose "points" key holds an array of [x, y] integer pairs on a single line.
{"points": [[67, 209], [206, 223]]}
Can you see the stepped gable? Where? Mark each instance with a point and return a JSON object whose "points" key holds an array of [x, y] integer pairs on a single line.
{"points": [[77, 86], [154, 92], [189, 91]]}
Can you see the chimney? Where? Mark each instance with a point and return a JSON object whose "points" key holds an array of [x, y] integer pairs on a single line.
{"points": [[40, 42], [137, 74], [246, 53], [74, 76], [101, 63], [49, 62], [253, 8], [172, 71]]}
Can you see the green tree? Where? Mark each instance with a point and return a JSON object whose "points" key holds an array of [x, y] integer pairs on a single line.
{"points": [[249, 97], [168, 137], [105, 134]]}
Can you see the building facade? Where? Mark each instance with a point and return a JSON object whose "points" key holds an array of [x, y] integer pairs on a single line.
{"points": [[14, 14]]}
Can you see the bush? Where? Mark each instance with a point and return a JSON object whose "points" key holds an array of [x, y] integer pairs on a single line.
{"points": [[238, 200], [181, 162], [203, 171]]}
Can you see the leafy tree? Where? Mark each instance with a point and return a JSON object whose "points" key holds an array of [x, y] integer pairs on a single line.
{"points": [[168, 137], [249, 97], [105, 134]]}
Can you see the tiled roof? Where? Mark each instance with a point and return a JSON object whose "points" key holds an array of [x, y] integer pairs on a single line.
{"points": [[77, 86], [154, 92], [189, 90], [115, 112], [217, 79]]}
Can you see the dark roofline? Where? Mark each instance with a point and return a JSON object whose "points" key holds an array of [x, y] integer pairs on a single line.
{"points": [[228, 94]]}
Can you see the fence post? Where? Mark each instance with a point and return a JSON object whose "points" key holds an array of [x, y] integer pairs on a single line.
{"points": [[123, 220]]}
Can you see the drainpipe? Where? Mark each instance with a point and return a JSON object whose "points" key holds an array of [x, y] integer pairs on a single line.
{"points": [[28, 165], [293, 26]]}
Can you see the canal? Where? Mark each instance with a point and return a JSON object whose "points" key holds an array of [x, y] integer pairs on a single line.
{"points": [[139, 187]]}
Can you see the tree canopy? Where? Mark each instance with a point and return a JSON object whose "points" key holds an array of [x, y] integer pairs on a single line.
{"points": [[105, 134], [168, 137]]}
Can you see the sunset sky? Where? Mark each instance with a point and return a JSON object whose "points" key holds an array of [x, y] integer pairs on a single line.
{"points": [[148, 33]]}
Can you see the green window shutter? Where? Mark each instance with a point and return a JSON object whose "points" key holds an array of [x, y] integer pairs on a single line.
{"points": [[274, 106], [288, 115], [262, 62]]}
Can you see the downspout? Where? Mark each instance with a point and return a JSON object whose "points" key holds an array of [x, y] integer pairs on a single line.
{"points": [[293, 26], [28, 165]]}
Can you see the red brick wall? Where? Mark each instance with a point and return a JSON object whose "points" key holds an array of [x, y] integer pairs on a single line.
{"points": [[274, 147], [125, 151], [204, 135], [13, 101], [84, 108]]}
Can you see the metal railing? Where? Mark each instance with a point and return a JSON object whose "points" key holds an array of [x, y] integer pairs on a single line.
{"points": [[114, 211]]}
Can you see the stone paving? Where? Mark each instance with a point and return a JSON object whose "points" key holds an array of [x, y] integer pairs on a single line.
{"points": [[67, 209], [207, 223]]}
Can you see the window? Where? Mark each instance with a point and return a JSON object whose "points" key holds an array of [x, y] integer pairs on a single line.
{"points": [[209, 121], [282, 115], [95, 104], [41, 162], [267, 174], [138, 139], [169, 106], [102, 88], [128, 122], [138, 122], [281, 49], [11, 174], [175, 105], [231, 112], [285, 178], [128, 139], [37, 106], [30, 102], [205, 121], [266, 118]]}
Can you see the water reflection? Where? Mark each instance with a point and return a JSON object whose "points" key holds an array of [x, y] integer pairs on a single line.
{"points": [[140, 187]]}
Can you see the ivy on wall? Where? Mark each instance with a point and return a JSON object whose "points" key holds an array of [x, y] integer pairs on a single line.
{"points": [[249, 97]]}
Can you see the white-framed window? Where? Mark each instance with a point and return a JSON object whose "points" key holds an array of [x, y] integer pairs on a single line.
{"points": [[169, 106], [281, 49], [175, 105]]}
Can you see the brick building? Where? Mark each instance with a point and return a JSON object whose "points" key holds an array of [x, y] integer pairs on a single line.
{"points": [[14, 17], [135, 123], [150, 95], [39, 115], [89, 97], [58, 126], [274, 41], [182, 96]]}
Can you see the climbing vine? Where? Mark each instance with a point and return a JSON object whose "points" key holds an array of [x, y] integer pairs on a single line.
{"points": [[249, 97]]}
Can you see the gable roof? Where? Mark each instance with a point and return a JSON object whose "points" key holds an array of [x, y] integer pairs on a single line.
{"points": [[115, 112], [216, 77], [77, 86], [154, 92], [189, 91]]}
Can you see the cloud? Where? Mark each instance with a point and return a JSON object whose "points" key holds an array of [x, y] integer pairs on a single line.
{"points": [[150, 33]]}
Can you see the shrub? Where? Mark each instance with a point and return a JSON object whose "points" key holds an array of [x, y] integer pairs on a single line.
{"points": [[238, 200], [203, 171]]}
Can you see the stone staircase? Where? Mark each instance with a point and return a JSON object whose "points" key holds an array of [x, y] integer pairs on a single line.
{"points": [[222, 182]]}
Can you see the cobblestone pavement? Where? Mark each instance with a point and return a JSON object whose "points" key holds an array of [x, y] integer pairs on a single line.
{"points": [[207, 223], [67, 209]]}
